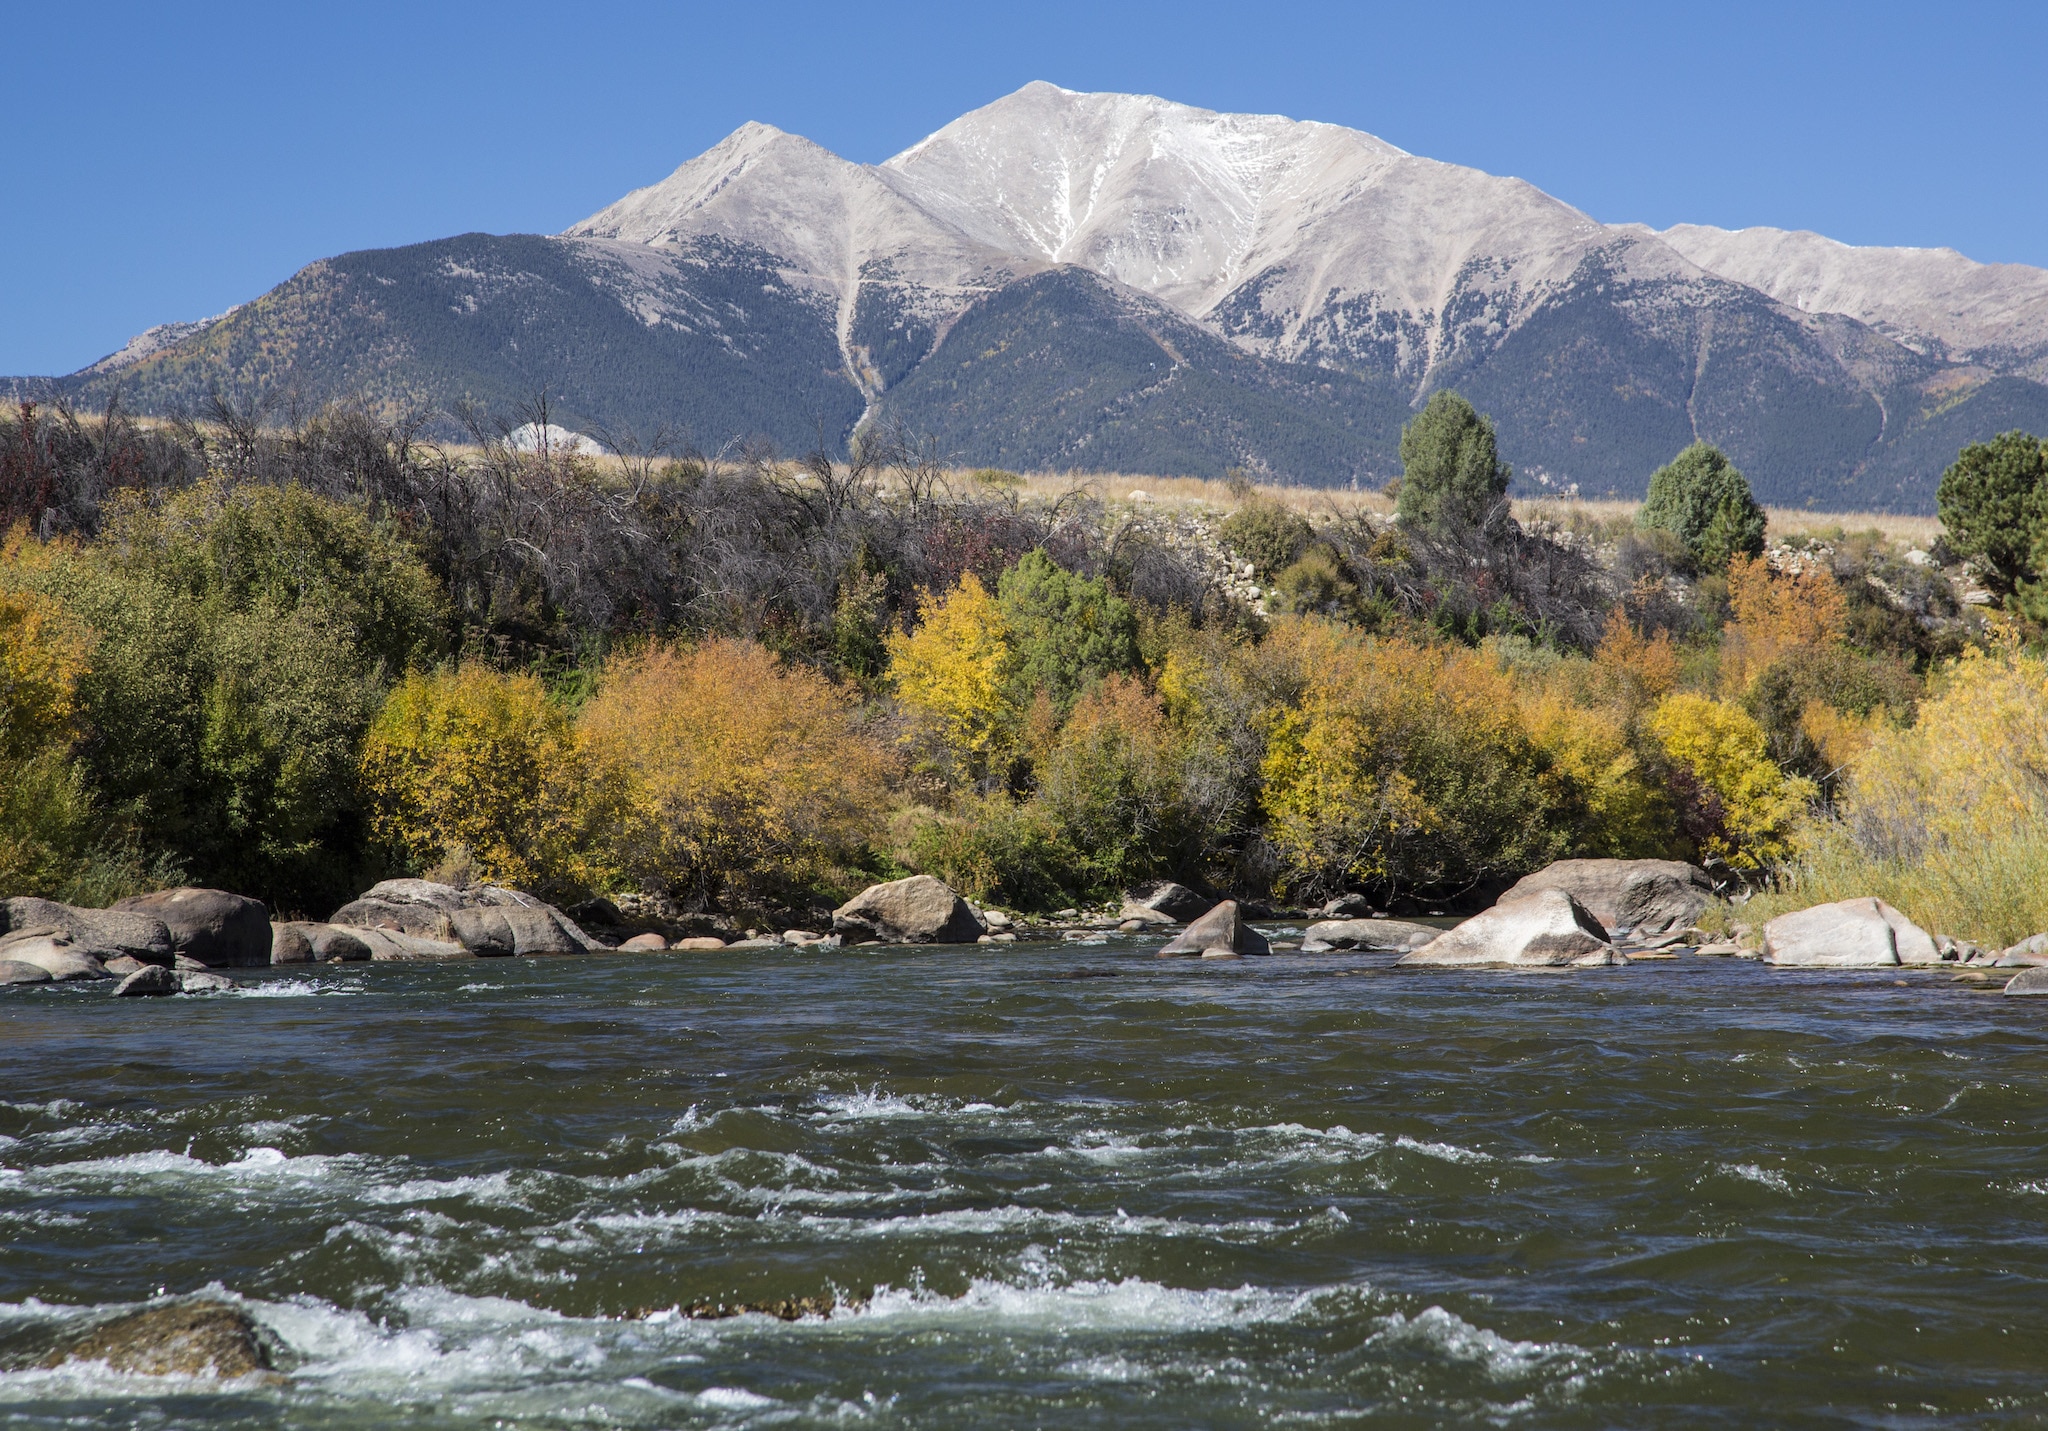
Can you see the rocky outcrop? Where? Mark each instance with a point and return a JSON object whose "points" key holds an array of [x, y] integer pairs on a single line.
{"points": [[1162, 896], [218, 929], [419, 907], [1849, 934], [917, 910], [305, 942], [1544, 930], [1219, 933], [201, 1337], [1389, 934], [102, 933], [499, 930], [1645, 898]]}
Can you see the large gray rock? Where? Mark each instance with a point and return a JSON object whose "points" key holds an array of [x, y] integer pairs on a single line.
{"points": [[149, 979], [1640, 897], [1393, 934], [2029, 952], [102, 933], [1162, 896], [388, 946], [419, 907], [1544, 930], [201, 1337], [496, 931], [917, 910], [1347, 906], [63, 961], [219, 929], [204, 984], [305, 942], [1221, 931], [13, 971], [2028, 981], [1849, 934]]}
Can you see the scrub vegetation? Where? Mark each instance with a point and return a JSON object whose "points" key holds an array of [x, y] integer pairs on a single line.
{"points": [[292, 656]]}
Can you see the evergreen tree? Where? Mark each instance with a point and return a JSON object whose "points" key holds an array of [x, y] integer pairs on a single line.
{"points": [[1994, 501], [1452, 477], [1701, 498]]}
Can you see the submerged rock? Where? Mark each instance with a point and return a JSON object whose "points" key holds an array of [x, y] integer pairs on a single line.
{"points": [[195, 1338], [917, 910], [218, 929], [205, 984], [649, 943], [1162, 896], [1848, 934], [1389, 934], [1221, 931], [1642, 897], [1545, 930]]}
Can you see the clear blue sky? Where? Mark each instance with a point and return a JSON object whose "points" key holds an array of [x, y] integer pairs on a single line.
{"points": [[171, 159]]}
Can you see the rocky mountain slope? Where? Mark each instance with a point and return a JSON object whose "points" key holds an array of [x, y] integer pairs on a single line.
{"points": [[1062, 280]]}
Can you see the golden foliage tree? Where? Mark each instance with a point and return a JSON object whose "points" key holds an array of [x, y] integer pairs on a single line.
{"points": [[954, 670], [1727, 753], [724, 774], [474, 767]]}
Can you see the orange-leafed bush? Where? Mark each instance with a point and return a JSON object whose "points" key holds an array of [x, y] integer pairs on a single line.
{"points": [[474, 768], [726, 776], [1777, 615], [1636, 670]]}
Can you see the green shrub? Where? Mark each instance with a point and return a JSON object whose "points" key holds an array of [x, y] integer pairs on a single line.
{"points": [[1267, 534], [1700, 498], [1452, 477], [1994, 501], [1066, 631]]}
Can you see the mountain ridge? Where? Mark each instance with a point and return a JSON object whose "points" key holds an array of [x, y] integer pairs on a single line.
{"points": [[1321, 283]]}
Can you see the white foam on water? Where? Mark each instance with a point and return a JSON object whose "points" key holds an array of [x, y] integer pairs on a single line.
{"points": [[1446, 1334], [1750, 1172], [1449, 1152], [294, 989], [477, 988], [363, 1178], [1133, 1304], [1013, 1218], [732, 1398]]}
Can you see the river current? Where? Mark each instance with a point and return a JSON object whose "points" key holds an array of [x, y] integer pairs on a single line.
{"points": [[1305, 1190]]}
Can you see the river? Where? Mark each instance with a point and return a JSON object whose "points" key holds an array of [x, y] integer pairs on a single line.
{"points": [[1305, 1190]]}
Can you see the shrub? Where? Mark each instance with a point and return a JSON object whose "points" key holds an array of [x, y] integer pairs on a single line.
{"points": [[1705, 502], [1065, 631], [1452, 478], [726, 776], [955, 671], [1726, 752], [997, 850], [1268, 534], [1777, 615], [42, 654], [1112, 785], [1994, 501], [475, 767], [1403, 768], [1598, 797]]}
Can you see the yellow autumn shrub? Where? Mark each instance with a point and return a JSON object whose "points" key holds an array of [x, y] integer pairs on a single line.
{"points": [[1598, 797], [477, 767], [43, 653], [1403, 766], [953, 670], [725, 775], [1727, 753]]}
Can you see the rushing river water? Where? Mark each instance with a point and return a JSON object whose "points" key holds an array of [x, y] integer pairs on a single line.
{"points": [[1299, 1190]]}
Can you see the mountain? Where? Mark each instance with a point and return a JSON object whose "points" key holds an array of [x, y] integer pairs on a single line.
{"points": [[1106, 281]]}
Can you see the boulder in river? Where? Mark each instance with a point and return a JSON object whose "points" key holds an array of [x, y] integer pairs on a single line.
{"points": [[699, 943], [1390, 934], [1545, 930], [102, 933], [1860, 933], [388, 946], [1221, 931], [1162, 896], [2029, 981], [917, 910], [13, 971], [1347, 906], [2033, 950], [200, 1337], [647, 944], [1640, 897], [494, 931], [306, 942], [56, 956], [205, 984], [219, 929], [149, 979]]}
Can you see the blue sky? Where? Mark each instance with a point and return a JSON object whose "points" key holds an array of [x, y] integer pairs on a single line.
{"points": [[172, 159]]}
